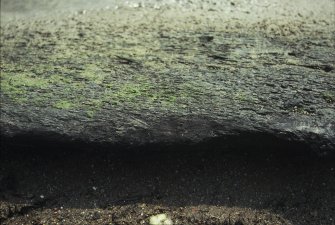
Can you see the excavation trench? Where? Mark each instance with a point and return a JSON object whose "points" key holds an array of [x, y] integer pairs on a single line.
{"points": [[232, 180]]}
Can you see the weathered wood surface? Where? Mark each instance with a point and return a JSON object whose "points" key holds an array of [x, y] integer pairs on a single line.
{"points": [[114, 78]]}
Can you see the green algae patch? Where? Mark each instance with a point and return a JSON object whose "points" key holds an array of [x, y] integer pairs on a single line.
{"points": [[93, 73], [9, 89], [131, 90], [22, 80], [18, 85], [137, 93], [63, 105]]}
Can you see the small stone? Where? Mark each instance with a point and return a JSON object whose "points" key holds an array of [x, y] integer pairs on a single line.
{"points": [[160, 219]]}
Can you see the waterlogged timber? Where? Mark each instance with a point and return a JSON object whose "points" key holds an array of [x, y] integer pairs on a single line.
{"points": [[136, 76]]}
